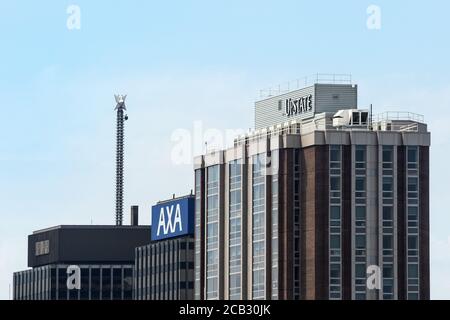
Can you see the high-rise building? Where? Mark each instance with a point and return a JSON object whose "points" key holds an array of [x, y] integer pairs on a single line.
{"points": [[315, 203]]}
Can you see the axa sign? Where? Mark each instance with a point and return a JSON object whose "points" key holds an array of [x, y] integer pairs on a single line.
{"points": [[173, 218]]}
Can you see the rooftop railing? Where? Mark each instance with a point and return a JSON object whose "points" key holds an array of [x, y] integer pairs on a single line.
{"points": [[324, 78], [399, 116]]}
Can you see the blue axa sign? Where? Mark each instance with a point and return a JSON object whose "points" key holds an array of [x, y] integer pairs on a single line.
{"points": [[173, 218]]}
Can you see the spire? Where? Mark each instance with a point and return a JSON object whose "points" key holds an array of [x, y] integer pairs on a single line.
{"points": [[120, 107]]}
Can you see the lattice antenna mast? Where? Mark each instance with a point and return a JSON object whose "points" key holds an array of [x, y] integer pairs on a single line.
{"points": [[121, 117]]}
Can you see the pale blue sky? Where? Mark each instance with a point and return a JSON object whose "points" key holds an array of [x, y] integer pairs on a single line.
{"points": [[185, 61]]}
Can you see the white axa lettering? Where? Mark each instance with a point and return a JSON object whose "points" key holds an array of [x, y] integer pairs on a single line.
{"points": [[167, 224]]}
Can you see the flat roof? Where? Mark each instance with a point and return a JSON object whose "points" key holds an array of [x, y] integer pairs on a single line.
{"points": [[87, 227], [177, 198]]}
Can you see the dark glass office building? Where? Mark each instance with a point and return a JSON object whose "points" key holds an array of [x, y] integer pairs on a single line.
{"points": [[98, 282], [103, 254], [165, 270]]}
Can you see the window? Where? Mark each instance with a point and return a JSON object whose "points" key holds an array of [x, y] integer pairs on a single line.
{"points": [[106, 284], [335, 270], [212, 230], [335, 212], [360, 241], [360, 154], [387, 213], [360, 213], [95, 283], [335, 154], [360, 184], [412, 184], [42, 247], [387, 241], [412, 213], [387, 154], [335, 183], [387, 183], [412, 154], [412, 242], [413, 296], [413, 271], [84, 292], [360, 270], [335, 241], [388, 271]]}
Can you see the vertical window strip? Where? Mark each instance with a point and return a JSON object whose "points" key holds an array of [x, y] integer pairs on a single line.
{"points": [[387, 226], [412, 225], [335, 222], [258, 227], [235, 235], [275, 164], [212, 231], [198, 176], [296, 225], [360, 220]]}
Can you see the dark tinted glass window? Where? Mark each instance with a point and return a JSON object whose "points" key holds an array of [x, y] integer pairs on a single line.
{"points": [[387, 242], [360, 271], [335, 153], [84, 290], [360, 213], [412, 154], [117, 284], [106, 284], [335, 212], [128, 284], [360, 241], [360, 184], [387, 154], [335, 183], [62, 284], [335, 241], [360, 154], [95, 284], [387, 213]]}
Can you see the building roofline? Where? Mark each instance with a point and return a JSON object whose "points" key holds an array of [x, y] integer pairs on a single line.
{"points": [[92, 227], [176, 198]]}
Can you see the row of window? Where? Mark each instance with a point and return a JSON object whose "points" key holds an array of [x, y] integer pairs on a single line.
{"points": [[50, 283]]}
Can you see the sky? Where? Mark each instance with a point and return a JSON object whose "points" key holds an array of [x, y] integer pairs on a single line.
{"points": [[187, 66]]}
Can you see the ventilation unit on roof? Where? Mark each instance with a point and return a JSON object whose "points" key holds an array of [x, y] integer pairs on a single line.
{"points": [[351, 118]]}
